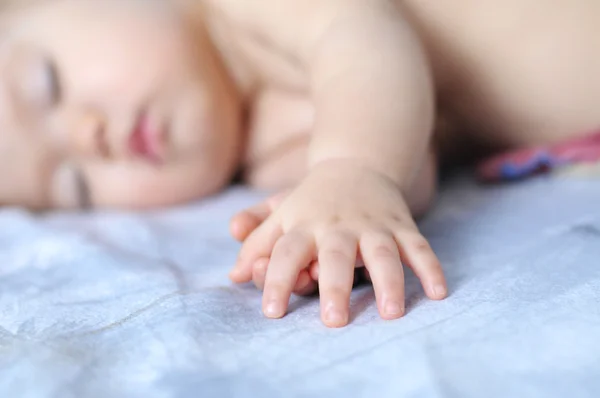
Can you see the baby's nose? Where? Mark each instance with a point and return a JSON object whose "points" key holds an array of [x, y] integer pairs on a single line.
{"points": [[88, 135]]}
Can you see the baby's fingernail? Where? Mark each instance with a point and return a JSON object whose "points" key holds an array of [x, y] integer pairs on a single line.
{"points": [[439, 291], [393, 308], [335, 317], [236, 271], [274, 309]]}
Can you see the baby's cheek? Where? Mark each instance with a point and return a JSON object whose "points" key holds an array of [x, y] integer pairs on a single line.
{"points": [[138, 187]]}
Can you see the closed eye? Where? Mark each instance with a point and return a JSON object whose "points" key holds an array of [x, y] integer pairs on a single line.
{"points": [[69, 187], [82, 187], [52, 82]]}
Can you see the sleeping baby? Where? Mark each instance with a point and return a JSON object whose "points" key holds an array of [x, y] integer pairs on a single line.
{"points": [[348, 108]]}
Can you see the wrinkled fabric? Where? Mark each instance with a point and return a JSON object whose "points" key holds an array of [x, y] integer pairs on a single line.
{"points": [[139, 305]]}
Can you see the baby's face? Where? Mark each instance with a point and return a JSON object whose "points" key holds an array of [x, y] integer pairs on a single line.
{"points": [[117, 103]]}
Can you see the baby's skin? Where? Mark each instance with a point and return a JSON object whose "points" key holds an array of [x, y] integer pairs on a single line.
{"points": [[139, 104]]}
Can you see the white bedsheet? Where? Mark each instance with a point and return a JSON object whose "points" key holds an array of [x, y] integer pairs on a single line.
{"points": [[123, 305]]}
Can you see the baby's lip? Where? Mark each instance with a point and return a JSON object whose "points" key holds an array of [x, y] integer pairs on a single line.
{"points": [[147, 140]]}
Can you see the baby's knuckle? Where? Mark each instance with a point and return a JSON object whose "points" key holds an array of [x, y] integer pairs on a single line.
{"points": [[334, 219], [288, 250], [385, 250], [399, 219], [333, 235], [336, 255], [418, 242], [366, 216]]}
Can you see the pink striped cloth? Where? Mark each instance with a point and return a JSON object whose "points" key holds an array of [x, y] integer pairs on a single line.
{"points": [[532, 161]]}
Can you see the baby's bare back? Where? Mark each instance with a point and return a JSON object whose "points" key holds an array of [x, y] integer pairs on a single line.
{"points": [[508, 74], [514, 72]]}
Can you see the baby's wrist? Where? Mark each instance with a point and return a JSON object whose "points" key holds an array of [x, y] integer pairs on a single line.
{"points": [[355, 166]]}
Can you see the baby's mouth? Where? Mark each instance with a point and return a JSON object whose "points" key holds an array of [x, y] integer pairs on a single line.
{"points": [[147, 140]]}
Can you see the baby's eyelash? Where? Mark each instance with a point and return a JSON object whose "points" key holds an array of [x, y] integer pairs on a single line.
{"points": [[82, 187], [53, 81]]}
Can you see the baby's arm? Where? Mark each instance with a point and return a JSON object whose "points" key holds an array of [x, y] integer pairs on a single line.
{"points": [[373, 93]]}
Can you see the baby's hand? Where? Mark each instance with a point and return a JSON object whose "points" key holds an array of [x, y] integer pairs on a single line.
{"points": [[242, 225], [246, 221], [339, 211]]}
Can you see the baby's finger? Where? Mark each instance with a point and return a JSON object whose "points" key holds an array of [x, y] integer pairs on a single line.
{"points": [[313, 270], [382, 259], [337, 257], [360, 265], [361, 274], [259, 272], [275, 200], [291, 254], [245, 222], [305, 285], [259, 244], [419, 255]]}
